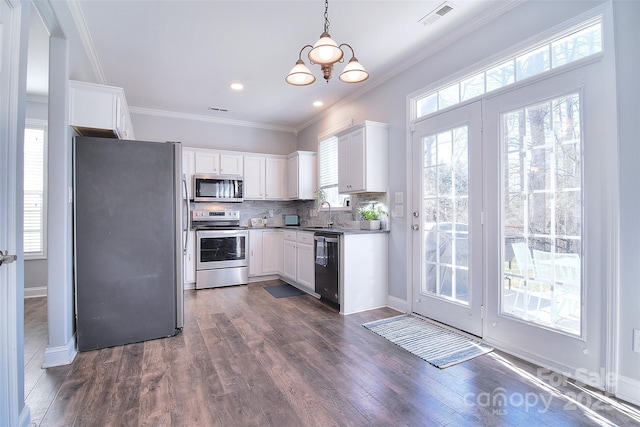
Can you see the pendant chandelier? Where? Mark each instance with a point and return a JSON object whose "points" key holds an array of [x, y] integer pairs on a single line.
{"points": [[325, 53]]}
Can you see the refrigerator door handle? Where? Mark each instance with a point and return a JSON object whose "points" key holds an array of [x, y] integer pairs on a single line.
{"points": [[186, 195]]}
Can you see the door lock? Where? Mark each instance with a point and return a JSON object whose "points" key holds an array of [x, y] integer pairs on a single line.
{"points": [[6, 258], [416, 214], [415, 227]]}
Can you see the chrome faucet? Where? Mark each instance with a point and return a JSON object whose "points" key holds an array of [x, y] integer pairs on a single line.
{"points": [[329, 222]]}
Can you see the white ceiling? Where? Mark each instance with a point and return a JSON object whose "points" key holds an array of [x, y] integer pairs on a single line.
{"points": [[180, 56]]}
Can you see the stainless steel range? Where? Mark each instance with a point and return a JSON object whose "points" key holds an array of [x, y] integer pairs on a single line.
{"points": [[221, 248]]}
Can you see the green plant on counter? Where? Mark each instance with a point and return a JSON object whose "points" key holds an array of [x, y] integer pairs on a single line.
{"points": [[319, 194], [371, 213]]}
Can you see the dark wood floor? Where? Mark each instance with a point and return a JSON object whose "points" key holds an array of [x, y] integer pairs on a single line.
{"points": [[248, 359]]}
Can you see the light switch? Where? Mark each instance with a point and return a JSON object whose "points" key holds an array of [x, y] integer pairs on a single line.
{"points": [[399, 198]]}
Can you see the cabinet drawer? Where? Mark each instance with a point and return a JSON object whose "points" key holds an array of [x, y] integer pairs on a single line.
{"points": [[289, 235], [305, 238]]}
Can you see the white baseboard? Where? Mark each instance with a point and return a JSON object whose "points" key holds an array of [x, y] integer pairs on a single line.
{"points": [[188, 286], [35, 292], [628, 389], [397, 304], [253, 279], [62, 355]]}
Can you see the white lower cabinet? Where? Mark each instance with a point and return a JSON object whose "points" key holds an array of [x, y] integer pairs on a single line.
{"points": [[364, 272], [190, 259], [271, 251], [305, 261], [289, 259], [298, 262], [265, 252]]}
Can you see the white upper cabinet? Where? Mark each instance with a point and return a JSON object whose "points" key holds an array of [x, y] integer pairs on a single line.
{"points": [[207, 162], [275, 177], [231, 164], [215, 163], [264, 177], [363, 158], [301, 174], [99, 110], [253, 178]]}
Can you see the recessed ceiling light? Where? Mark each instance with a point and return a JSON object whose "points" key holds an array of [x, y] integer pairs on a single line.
{"points": [[318, 103], [236, 86]]}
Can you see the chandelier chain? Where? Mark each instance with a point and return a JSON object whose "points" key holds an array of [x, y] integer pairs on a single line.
{"points": [[326, 16]]}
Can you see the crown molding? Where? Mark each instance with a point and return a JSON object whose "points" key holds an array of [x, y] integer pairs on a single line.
{"points": [[87, 40], [199, 118]]}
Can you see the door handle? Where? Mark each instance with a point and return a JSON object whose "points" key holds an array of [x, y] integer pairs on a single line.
{"points": [[415, 227], [6, 258]]}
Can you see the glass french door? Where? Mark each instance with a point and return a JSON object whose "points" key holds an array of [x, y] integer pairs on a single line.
{"points": [[446, 218], [547, 220]]}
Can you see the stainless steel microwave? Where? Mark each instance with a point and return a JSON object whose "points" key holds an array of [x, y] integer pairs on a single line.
{"points": [[217, 188]]}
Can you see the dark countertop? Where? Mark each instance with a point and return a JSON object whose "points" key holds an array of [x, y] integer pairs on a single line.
{"points": [[321, 229]]}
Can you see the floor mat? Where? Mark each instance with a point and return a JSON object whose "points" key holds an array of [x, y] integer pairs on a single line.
{"points": [[283, 291], [435, 344]]}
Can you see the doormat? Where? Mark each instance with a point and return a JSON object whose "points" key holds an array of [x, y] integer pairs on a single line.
{"points": [[435, 344], [283, 291]]}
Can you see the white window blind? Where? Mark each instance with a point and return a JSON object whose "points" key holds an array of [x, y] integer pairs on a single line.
{"points": [[328, 172], [34, 190], [328, 162]]}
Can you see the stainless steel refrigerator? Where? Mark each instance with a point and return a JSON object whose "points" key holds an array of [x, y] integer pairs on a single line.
{"points": [[128, 241]]}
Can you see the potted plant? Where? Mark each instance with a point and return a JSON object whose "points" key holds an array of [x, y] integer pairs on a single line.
{"points": [[370, 217]]}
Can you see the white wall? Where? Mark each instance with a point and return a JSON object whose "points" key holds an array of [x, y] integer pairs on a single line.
{"points": [[203, 134], [627, 36]]}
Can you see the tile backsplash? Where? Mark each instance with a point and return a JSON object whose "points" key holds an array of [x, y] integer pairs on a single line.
{"points": [[274, 211]]}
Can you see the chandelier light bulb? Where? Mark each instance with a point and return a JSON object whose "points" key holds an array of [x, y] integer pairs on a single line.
{"points": [[300, 75], [354, 72], [325, 51]]}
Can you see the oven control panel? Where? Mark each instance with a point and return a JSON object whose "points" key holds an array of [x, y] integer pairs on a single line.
{"points": [[205, 215]]}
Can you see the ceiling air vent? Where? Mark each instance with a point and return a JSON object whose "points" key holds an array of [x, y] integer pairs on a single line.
{"points": [[437, 13]]}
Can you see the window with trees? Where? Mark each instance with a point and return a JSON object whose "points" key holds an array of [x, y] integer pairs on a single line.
{"points": [[542, 213]]}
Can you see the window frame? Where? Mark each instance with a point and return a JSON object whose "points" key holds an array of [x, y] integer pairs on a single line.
{"points": [[40, 125], [548, 39]]}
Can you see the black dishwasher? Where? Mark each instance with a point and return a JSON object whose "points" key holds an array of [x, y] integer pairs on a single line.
{"points": [[327, 265]]}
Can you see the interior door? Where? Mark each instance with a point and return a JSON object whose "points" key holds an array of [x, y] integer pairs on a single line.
{"points": [[447, 218], [12, 408]]}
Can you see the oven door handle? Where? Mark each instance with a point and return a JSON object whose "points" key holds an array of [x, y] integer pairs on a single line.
{"points": [[186, 199]]}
